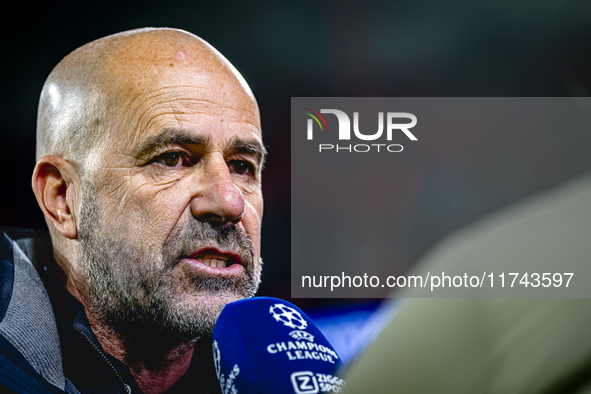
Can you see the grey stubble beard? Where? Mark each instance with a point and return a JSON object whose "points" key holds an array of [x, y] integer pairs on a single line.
{"points": [[129, 286]]}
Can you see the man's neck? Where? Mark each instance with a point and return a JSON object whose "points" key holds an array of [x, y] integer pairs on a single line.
{"points": [[155, 365], [156, 381]]}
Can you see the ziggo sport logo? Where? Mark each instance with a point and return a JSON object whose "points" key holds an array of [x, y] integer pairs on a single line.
{"points": [[345, 130]]}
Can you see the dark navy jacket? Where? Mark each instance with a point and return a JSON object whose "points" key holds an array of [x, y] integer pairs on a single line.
{"points": [[46, 343]]}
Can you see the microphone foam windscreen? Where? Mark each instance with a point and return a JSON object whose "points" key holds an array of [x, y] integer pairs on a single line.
{"points": [[267, 345]]}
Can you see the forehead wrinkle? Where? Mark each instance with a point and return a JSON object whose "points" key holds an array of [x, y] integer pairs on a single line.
{"points": [[153, 118], [197, 106], [255, 125], [163, 90], [193, 104], [176, 113]]}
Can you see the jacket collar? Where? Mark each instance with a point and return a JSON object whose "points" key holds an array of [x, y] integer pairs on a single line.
{"points": [[84, 361]]}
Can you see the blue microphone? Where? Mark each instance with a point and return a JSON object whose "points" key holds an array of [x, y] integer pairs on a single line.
{"points": [[267, 345]]}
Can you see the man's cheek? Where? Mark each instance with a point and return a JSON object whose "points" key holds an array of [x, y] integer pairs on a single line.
{"points": [[254, 198], [252, 225], [157, 206], [251, 191]]}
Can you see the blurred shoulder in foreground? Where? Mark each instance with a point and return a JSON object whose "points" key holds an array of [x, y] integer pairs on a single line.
{"points": [[494, 345]]}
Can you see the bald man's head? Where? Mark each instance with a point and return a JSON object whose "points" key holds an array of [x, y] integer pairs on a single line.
{"points": [[90, 92], [149, 160]]}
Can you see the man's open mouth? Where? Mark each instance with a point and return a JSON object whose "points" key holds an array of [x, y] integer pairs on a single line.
{"points": [[214, 258]]}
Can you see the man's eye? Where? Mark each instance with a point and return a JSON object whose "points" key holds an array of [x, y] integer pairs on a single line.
{"points": [[172, 159], [241, 167]]}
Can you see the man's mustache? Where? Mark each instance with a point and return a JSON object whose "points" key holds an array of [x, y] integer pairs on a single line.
{"points": [[187, 238]]}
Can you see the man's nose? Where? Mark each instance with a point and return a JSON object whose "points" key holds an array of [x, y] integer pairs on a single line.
{"points": [[219, 201]]}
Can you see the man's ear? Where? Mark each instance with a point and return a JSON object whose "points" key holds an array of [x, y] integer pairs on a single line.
{"points": [[55, 184]]}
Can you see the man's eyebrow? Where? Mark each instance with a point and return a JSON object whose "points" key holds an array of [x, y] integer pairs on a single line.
{"points": [[253, 147], [169, 137]]}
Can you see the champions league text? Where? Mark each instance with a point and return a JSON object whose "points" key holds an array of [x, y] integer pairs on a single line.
{"points": [[299, 350]]}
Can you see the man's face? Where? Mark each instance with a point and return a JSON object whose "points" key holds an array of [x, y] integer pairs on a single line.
{"points": [[170, 221]]}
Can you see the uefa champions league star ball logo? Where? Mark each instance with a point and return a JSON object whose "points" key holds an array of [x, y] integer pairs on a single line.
{"points": [[288, 316]]}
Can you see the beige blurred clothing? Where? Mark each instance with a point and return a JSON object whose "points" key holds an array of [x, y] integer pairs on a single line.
{"points": [[493, 345]]}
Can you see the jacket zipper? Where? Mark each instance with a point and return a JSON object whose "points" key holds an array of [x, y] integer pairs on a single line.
{"points": [[126, 387]]}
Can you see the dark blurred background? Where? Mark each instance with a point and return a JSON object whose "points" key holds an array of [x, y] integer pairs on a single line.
{"points": [[315, 48]]}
